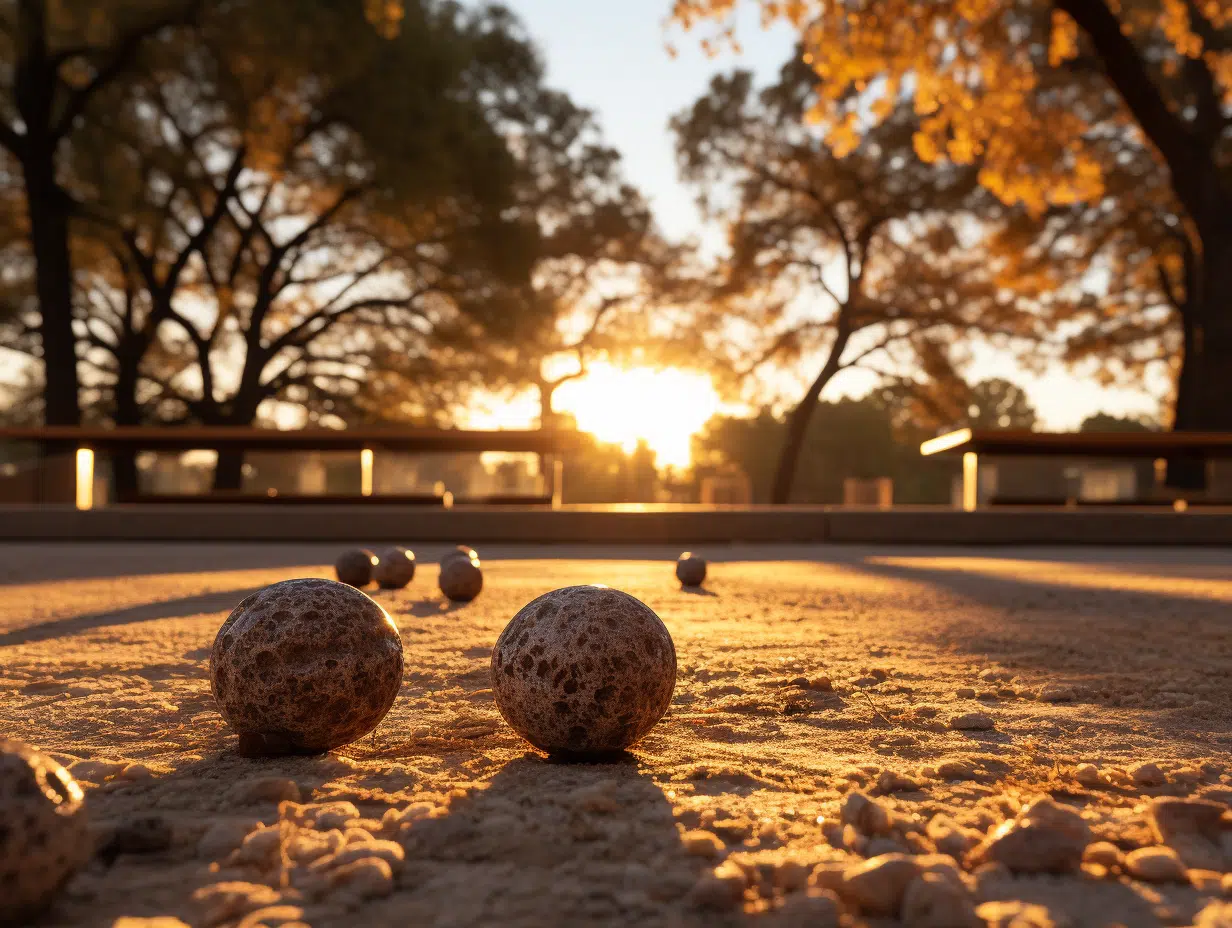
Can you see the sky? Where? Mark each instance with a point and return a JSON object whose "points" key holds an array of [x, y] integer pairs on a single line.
{"points": [[612, 58]]}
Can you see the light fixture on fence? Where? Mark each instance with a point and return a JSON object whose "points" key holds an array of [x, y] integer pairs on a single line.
{"points": [[85, 478]]}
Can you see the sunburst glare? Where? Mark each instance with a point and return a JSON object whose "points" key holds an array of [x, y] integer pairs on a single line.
{"points": [[665, 407]]}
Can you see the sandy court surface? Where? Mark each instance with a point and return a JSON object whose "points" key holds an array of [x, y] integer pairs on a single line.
{"points": [[805, 674]]}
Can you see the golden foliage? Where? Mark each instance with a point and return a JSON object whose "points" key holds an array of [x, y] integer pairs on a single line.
{"points": [[385, 15], [974, 70]]}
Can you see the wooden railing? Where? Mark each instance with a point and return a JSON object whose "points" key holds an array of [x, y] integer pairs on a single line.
{"points": [[67, 454]]}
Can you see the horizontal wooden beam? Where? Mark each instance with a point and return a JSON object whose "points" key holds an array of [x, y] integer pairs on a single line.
{"points": [[188, 438], [1080, 444]]}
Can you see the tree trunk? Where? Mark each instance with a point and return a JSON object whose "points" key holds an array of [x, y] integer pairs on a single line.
{"points": [[547, 416], [229, 471], [124, 477], [1212, 386], [1204, 387], [49, 219], [797, 424], [1185, 471]]}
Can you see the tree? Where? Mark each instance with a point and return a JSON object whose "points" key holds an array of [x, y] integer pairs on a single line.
{"points": [[56, 61], [946, 402], [845, 438], [597, 264], [306, 240], [59, 58], [973, 70], [847, 257], [999, 404], [1106, 422]]}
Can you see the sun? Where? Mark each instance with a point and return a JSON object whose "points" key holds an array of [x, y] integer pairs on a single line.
{"points": [[665, 407]]}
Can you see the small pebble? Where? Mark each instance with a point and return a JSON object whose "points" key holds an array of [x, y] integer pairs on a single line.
{"points": [[956, 770], [1045, 838], [1148, 775], [44, 836], [1015, 914], [274, 916], [584, 669], [1206, 881], [690, 569], [701, 844], [722, 889], [354, 567], [936, 900], [1155, 865], [965, 692], [877, 886], [461, 579], [864, 813], [791, 876], [1056, 692], [1087, 775], [973, 721], [951, 838], [1104, 853], [813, 908], [224, 836], [304, 666], [395, 568], [892, 782], [1215, 915]]}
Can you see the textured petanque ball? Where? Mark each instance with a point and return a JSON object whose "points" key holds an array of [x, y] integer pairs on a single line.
{"points": [[304, 666], [460, 551], [395, 568], [461, 578], [355, 567], [690, 569], [43, 833], [584, 670]]}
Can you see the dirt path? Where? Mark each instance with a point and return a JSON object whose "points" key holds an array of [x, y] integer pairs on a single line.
{"points": [[734, 806]]}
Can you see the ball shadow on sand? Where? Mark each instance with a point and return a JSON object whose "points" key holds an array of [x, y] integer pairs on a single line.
{"points": [[550, 841], [698, 591], [427, 608]]}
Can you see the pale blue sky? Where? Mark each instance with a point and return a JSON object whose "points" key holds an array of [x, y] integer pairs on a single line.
{"points": [[612, 58]]}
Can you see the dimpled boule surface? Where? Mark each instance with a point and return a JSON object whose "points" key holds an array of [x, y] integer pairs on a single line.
{"points": [[691, 569], [395, 568], [354, 567], [584, 669], [461, 578], [43, 834], [304, 666]]}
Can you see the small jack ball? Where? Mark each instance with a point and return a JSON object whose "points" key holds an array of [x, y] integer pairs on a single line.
{"points": [[395, 568], [461, 578], [584, 670], [691, 569], [354, 567], [43, 832], [304, 666], [460, 551]]}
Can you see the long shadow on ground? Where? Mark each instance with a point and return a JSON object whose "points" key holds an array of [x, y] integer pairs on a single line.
{"points": [[1109, 642], [146, 612]]}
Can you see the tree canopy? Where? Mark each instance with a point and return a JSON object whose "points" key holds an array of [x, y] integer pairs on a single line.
{"points": [[1048, 101], [870, 258]]}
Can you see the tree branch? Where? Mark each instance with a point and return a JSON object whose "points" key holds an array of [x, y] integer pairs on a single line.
{"points": [[122, 55], [1126, 69]]}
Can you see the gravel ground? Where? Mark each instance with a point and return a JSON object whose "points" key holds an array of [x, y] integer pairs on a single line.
{"points": [[929, 737]]}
